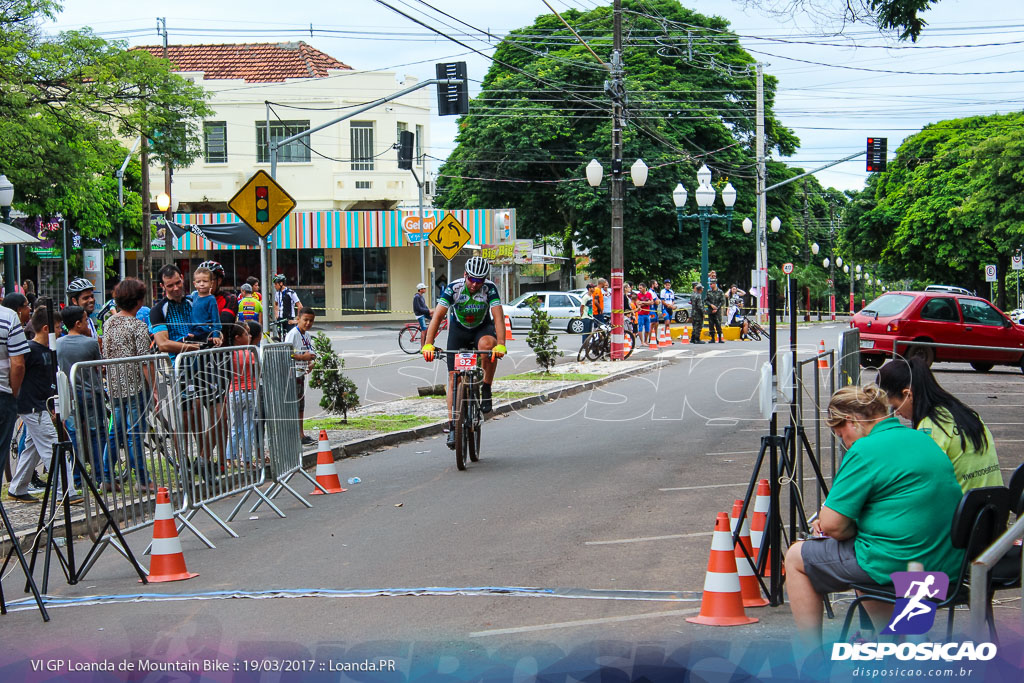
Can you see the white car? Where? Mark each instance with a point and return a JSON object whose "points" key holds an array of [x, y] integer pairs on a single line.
{"points": [[563, 307]]}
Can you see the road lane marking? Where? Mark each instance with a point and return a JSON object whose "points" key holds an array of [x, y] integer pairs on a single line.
{"points": [[722, 486], [641, 539], [584, 622]]}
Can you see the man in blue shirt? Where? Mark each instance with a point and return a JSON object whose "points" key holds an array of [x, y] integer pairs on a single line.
{"points": [[170, 319]]}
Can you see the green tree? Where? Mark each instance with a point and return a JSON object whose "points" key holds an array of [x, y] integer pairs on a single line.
{"points": [[339, 392], [543, 114], [947, 205], [67, 104], [902, 16], [540, 339]]}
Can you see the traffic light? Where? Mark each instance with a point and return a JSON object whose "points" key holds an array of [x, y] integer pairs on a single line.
{"points": [[876, 154], [452, 99], [405, 141], [262, 204]]}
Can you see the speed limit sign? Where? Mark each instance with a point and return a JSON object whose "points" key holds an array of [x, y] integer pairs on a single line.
{"points": [[1017, 262], [990, 273], [787, 268]]}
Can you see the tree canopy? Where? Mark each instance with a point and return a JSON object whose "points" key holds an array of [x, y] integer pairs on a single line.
{"points": [[68, 103], [543, 113], [948, 204]]}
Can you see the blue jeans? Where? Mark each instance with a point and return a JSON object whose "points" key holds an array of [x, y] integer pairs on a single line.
{"points": [[244, 435], [588, 327], [100, 465], [8, 418], [127, 430]]}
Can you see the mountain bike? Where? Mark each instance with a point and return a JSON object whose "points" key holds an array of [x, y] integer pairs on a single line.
{"points": [[467, 412], [410, 338], [598, 343]]}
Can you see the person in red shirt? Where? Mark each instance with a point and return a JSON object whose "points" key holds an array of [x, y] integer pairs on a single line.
{"points": [[644, 300]]}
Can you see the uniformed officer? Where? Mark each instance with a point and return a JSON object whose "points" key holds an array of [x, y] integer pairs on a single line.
{"points": [[697, 312], [715, 300]]}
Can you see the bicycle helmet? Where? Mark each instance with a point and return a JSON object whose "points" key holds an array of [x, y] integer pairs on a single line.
{"points": [[478, 267], [279, 278], [79, 285], [214, 267]]}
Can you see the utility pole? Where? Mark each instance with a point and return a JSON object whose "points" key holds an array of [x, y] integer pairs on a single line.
{"points": [[147, 236], [762, 205], [807, 256], [616, 88], [168, 235]]}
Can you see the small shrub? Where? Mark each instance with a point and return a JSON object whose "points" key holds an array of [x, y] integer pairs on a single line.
{"points": [[543, 343], [339, 392]]}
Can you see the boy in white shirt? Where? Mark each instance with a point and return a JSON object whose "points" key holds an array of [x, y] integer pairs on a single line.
{"points": [[302, 352]]}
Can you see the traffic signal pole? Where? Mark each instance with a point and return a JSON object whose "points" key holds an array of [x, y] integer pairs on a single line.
{"points": [[617, 90], [273, 147]]}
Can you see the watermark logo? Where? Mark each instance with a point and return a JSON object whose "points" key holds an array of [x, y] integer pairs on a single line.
{"points": [[914, 613]]}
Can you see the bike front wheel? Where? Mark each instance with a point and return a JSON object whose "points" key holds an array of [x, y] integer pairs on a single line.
{"points": [[463, 426], [597, 345], [475, 419], [409, 339], [627, 349], [757, 331]]}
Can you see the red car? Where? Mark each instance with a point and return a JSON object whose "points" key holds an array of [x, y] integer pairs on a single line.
{"points": [[943, 318]]}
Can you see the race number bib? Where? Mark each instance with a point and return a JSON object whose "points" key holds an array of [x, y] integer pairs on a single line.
{"points": [[465, 361]]}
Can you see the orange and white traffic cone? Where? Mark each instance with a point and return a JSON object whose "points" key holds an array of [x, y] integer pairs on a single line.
{"points": [[326, 470], [653, 342], [822, 361], [168, 562], [663, 335], [627, 344], [722, 602], [685, 339], [508, 329], [762, 504], [750, 589]]}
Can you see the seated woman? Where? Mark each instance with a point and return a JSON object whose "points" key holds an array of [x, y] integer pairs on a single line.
{"points": [[892, 502], [916, 396]]}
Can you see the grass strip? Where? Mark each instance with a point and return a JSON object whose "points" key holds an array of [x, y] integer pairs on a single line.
{"points": [[374, 423]]}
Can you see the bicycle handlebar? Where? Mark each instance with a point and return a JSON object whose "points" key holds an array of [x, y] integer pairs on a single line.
{"points": [[442, 352]]}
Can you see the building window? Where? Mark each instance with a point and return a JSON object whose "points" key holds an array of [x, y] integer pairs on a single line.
{"points": [[294, 152], [364, 280], [362, 145], [215, 139], [402, 127], [364, 184], [419, 145]]}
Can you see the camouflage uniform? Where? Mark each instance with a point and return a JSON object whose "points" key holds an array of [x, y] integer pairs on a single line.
{"points": [[715, 297], [697, 313]]}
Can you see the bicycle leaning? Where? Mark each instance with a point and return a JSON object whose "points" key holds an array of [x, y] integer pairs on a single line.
{"points": [[467, 408], [410, 337], [598, 343]]}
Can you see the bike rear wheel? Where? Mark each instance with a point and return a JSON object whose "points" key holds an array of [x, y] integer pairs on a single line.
{"points": [[463, 428], [409, 339], [757, 331], [627, 350], [596, 348], [581, 355]]}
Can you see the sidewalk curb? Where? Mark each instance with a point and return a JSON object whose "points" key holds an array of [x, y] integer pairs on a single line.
{"points": [[79, 526], [360, 446]]}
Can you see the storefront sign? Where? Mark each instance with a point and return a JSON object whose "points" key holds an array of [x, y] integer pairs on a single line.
{"points": [[411, 226], [519, 253]]}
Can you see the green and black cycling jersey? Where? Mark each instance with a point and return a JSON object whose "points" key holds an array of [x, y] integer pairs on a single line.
{"points": [[466, 308]]}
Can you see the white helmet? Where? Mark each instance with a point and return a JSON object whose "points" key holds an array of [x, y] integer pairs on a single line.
{"points": [[478, 267]]}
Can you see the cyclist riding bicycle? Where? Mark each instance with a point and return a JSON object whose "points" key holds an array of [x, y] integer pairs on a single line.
{"points": [[475, 304]]}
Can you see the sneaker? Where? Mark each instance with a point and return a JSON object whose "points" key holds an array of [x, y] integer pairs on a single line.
{"points": [[307, 440], [451, 437], [37, 482], [23, 498], [75, 498], [32, 489], [485, 398], [721, 341]]}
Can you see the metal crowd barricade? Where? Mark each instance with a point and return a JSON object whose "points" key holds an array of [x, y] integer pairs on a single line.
{"points": [[122, 428], [980, 570], [281, 421], [811, 389], [221, 448], [849, 357]]}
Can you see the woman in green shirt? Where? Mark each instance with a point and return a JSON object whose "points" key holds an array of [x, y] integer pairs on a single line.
{"points": [[916, 396], [891, 503]]}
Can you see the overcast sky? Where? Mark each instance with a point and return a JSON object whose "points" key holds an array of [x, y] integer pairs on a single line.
{"points": [[833, 96]]}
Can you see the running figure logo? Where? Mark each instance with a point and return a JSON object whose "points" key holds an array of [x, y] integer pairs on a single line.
{"points": [[914, 613]]}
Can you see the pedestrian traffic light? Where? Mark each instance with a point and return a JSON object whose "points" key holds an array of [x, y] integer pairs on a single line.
{"points": [[452, 99], [405, 141], [262, 204], [876, 154]]}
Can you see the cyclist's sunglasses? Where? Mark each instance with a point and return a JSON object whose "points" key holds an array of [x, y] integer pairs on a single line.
{"points": [[475, 280]]}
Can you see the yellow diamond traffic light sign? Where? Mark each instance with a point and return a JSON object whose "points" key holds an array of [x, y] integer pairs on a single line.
{"points": [[262, 203], [449, 237]]}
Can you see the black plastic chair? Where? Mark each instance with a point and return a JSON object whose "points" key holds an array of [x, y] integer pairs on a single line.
{"points": [[1006, 573], [979, 519]]}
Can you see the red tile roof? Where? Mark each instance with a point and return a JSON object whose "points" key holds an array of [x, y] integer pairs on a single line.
{"points": [[253, 62]]}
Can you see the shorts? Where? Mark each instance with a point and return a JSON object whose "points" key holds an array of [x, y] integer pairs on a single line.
{"points": [[462, 339], [422, 320], [300, 393], [831, 565], [643, 323], [667, 316]]}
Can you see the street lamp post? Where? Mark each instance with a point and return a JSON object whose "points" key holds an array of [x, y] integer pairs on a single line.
{"points": [[761, 253], [163, 203], [638, 173], [10, 259], [705, 199]]}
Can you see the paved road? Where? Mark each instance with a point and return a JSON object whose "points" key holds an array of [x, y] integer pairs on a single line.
{"points": [[613, 490]]}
